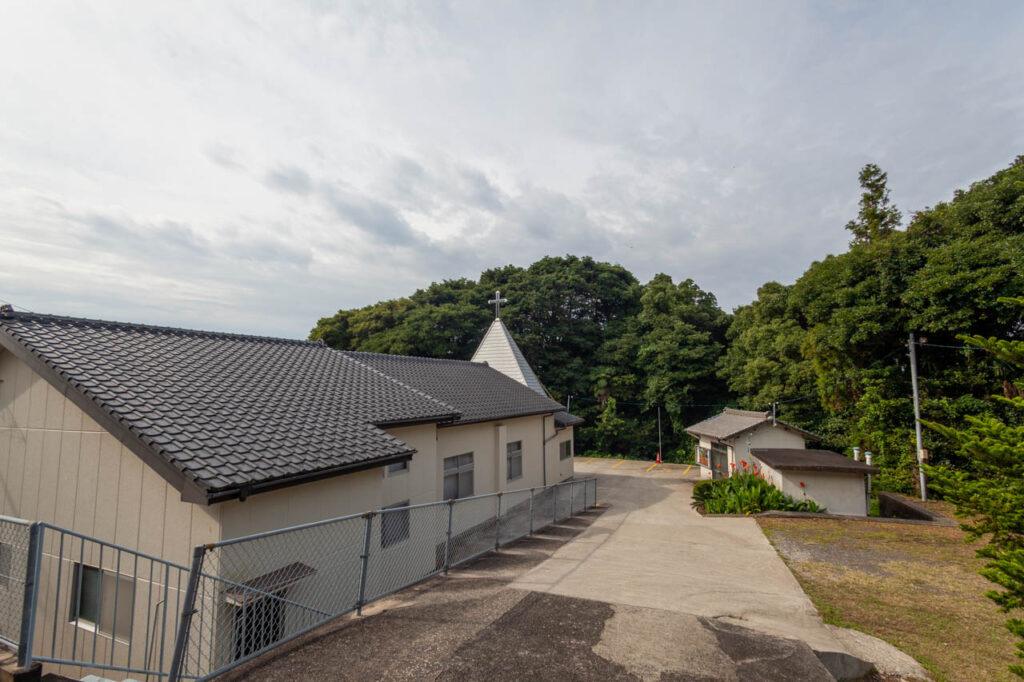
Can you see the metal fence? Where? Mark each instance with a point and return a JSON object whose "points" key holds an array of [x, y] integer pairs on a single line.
{"points": [[251, 594], [83, 604], [14, 541], [98, 606]]}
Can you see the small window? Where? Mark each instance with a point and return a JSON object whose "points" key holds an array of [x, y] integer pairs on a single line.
{"points": [[95, 594], [565, 449], [514, 452], [458, 476], [398, 467], [394, 525]]}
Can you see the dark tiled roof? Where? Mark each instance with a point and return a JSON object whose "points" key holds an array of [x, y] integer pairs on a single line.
{"points": [[798, 459], [478, 392], [226, 412], [732, 422]]}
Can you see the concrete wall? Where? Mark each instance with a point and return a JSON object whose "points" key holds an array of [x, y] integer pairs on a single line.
{"points": [[839, 493]]}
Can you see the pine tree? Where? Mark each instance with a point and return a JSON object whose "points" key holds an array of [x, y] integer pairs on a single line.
{"points": [[991, 494], [877, 217]]}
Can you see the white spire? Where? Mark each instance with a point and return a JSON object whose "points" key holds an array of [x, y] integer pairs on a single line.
{"points": [[499, 350]]}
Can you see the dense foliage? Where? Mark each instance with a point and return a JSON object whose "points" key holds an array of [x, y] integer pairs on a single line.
{"points": [[746, 494], [989, 490], [830, 349]]}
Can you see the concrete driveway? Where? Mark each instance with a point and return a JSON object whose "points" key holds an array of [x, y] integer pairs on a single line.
{"points": [[651, 549], [641, 589]]}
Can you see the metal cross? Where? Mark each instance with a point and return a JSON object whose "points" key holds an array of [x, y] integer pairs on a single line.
{"points": [[497, 302]]}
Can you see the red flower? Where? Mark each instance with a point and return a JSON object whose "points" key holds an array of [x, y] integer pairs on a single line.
{"points": [[802, 484], [732, 464]]}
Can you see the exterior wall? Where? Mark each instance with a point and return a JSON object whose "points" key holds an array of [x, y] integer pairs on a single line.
{"points": [[558, 469], [57, 465], [839, 493], [487, 441], [764, 436]]}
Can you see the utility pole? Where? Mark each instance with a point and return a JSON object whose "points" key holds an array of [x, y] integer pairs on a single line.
{"points": [[659, 430], [912, 345]]}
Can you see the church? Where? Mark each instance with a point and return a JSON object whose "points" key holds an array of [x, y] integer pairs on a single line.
{"points": [[159, 439]]}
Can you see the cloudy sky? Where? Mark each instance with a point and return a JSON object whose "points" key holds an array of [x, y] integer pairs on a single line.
{"points": [[254, 166]]}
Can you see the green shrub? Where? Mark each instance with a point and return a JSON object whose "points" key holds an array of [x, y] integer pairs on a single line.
{"points": [[746, 494]]}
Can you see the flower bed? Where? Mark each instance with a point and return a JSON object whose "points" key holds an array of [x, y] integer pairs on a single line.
{"points": [[745, 494]]}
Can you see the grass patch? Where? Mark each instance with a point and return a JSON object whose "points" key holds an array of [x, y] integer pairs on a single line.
{"points": [[916, 587]]}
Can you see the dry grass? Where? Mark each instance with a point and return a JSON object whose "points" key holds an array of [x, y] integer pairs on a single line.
{"points": [[914, 586]]}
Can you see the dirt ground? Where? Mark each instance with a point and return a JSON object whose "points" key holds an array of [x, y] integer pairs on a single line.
{"points": [[915, 586]]}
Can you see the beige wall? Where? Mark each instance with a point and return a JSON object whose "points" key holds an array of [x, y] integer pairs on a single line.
{"points": [[558, 469], [488, 442], [764, 436], [341, 495], [839, 493], [57, 465]]}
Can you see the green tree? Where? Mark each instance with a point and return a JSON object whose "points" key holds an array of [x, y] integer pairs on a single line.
{"points": [[989, 492], [877, 218], [682, 338]]}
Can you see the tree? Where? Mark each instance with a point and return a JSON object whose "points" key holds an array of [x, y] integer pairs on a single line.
{"points": [[990, 493], [877, 217], [682, 338]]}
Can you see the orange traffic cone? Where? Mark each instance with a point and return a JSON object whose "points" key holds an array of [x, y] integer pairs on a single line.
{"points": [[658, 461]]}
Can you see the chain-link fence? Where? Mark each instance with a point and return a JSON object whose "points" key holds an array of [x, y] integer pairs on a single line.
{"points": [[14, 540], [254, 593], [85, 605]]}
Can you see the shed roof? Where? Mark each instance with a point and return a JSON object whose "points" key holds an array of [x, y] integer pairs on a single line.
{"points": [[798, 459], [731, 422], [226, 415]]}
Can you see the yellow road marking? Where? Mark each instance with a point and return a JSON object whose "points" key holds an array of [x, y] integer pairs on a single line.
{"points": [[620, 462], [652, 466], [687, 470]]}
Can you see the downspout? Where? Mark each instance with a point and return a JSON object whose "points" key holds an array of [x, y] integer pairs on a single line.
{"points": [[544, 446]]}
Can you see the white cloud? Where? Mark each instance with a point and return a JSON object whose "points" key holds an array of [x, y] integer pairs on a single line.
{"points": [[254, 166]]}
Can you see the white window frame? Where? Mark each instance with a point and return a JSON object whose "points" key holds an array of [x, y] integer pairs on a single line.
{"points": [[564, 452], [458, 471], [124, 592], [513, 451]]}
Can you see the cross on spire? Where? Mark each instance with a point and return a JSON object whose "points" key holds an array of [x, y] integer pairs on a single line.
{"points": [[497, 302]]}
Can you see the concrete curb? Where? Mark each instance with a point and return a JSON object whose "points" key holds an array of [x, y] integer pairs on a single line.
{"points": [[939, 521]]}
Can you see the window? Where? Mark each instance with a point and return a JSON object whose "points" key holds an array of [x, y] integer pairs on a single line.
{"points": [[94, 597], [458, 476], [565, 449], [394, 525], [5, 565], [398, 467], [514, 453]]}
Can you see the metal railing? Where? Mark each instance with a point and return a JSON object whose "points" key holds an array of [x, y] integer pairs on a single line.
{"points": [[251, 594], [14, 547], [85, 604], [99, 606]]}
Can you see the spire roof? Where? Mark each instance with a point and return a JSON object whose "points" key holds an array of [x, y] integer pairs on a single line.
{"points": [[500, 351]]}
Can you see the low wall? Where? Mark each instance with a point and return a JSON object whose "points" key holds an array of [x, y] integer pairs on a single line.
{"points": [[898, 507]]}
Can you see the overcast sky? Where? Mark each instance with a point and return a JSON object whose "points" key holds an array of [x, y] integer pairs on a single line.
{"points": [[255, 166]]}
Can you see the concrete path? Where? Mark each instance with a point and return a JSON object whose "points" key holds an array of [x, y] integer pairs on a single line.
{"points": [[651, 549], [641, 589]]}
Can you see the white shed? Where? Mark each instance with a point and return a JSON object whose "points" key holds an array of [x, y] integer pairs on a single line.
{"points": [[833, 481]]}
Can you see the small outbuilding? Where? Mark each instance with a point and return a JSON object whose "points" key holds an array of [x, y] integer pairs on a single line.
{"points": [[833, 481], [749, 441]]}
